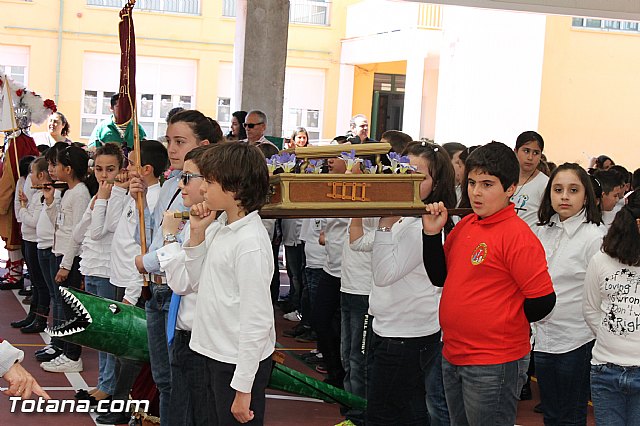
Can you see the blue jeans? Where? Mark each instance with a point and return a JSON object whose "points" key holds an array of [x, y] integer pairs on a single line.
{"points": [[484, 394], [309, 291], [354, 309], [60, 311], [436, 400], [615, 392], [40, 299], [157, 310], [46, 258], [106, 362], [395, 384], [563, 380], [189, 394]]}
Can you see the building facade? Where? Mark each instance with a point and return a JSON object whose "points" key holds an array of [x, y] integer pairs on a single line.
{"points": [[446, 73]]}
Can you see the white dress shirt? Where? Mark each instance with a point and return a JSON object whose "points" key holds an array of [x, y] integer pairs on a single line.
{"points": [[568, 246], [403, 301], [231, 270]]}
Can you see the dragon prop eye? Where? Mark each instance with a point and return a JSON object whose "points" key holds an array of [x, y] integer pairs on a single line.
{"points": [[114, 308]]}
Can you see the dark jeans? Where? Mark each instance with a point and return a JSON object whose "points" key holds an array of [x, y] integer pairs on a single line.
{"points": [[157, 310], [101, 287], [275, 280], [326, 322], [563, 380], [479, 395], [294, 256], [218, 375], [47, 260], [615, 391], [436, 399], [354, 309], [189, 396], [126, 370], [395, 386], [61, 311], [309, 291], [40, 299]]}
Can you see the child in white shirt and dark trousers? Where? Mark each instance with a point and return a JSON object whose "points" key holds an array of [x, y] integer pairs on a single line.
{"points": [[231, 266], [71, 168]]}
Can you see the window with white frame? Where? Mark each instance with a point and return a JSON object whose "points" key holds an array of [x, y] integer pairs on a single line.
{"points": [[303, 102], [314, 12], [606, 24], [225, 96], [14, 63], [17, 73], [162, 85]]}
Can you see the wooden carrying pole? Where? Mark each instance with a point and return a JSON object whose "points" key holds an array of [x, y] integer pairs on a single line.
{"points": [[127, 88], [13, 124]]}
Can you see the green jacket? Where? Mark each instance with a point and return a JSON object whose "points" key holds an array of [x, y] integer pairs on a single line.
{"points": [[107, 131]]}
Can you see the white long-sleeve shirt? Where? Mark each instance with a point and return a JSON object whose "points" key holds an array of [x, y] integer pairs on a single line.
{"points": [[569, 246], [314, 253], [611, 307], [403, 301], [291, 229], [44, 227], [66, 216], [95, 257], [232, 271], [335, 235], [121, 212], [357, 276], [172, 262], [28, 217]]}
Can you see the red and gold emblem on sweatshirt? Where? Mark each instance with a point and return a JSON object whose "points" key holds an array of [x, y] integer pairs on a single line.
{"points": [[479, 254]]}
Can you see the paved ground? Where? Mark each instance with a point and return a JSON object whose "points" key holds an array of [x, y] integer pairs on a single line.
{"points": [[282, 409]]}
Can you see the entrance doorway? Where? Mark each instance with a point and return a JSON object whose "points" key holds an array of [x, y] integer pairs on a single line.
{"points": [[388, 103]]}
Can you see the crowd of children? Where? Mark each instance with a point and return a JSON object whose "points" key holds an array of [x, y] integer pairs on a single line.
{"points": [[430, 319]]}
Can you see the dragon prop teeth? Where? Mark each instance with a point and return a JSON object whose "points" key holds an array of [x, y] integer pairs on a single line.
{"points": [[79, 321]]}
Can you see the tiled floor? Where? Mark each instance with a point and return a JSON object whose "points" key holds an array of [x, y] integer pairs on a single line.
{"points": [[282, 409]]}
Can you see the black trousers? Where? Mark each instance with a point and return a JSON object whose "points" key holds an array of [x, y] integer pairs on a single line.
{"points": [[219, 375], [326, 322]]}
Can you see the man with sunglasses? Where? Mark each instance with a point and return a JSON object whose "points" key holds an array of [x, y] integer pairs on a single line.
{"points": [[255, 125]]}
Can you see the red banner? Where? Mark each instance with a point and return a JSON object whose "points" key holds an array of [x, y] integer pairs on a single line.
{"points": [[127, 101]]}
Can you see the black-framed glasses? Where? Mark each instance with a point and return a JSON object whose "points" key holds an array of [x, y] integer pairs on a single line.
{"points": [[251, 125], [185, 177]]}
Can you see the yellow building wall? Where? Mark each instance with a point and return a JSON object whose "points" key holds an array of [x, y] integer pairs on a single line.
{"points": [[590, 97], [207, 38], [363, 83]]}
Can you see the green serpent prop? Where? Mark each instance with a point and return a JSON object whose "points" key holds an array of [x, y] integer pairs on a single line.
{"points": [[121, 329]]}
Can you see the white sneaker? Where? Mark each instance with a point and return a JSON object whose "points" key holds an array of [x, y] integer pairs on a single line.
{"points": [[62, 364], [292, 316]]}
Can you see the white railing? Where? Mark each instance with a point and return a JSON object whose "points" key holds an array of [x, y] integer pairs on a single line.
{"points": [[314, 12], [188, 7]]}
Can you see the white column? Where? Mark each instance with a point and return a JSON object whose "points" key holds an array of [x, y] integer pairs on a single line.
{"points": [[412, 116], [345, 99], [238, 53]]}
